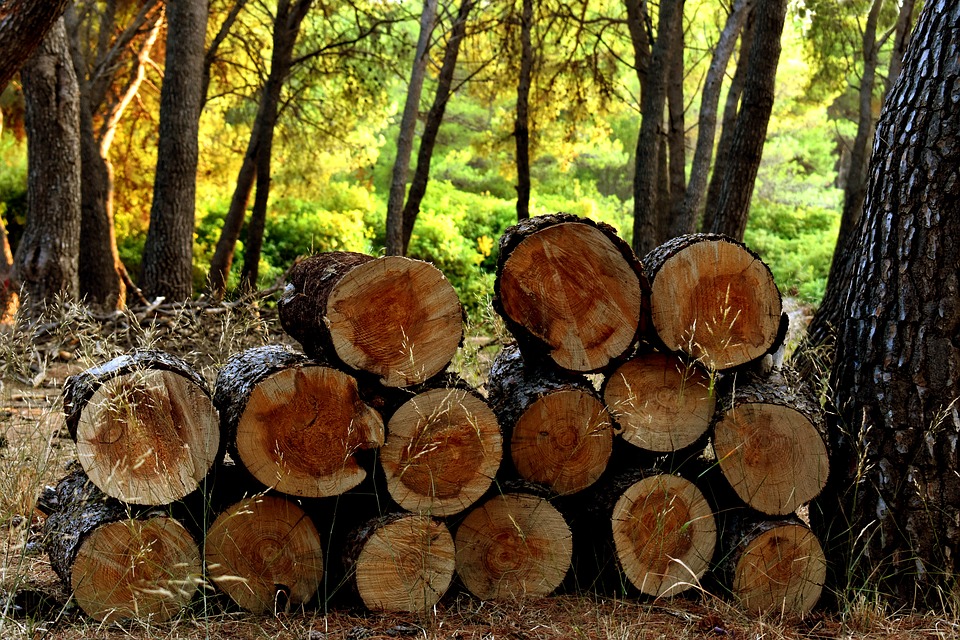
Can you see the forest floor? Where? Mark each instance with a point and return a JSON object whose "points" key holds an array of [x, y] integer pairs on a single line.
{"points": [[35, 447]]}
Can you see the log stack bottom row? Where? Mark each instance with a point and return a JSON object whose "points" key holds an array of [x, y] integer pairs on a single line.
{"points": [[362, 470]]}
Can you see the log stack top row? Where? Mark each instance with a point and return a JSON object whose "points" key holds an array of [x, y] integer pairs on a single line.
{"points": [[378, 335]]}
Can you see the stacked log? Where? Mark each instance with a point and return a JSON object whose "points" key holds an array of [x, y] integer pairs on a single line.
{"points": [[364, 442]]}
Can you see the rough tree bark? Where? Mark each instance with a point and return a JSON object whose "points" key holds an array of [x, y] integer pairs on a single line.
{"points": [[23, 24], [746, 148], [521, 129], [46, 261], [408, 123], [645, 232], [897, 502], [168, 252], [418, 187], [676, 133], [686, 221]]}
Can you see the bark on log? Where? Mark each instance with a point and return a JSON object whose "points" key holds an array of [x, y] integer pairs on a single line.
{"points": [[145, 427], [119, 563], [771, 443], [774, 566], [295, 425], [394, 317], [443, 450], [513, 545], [560, 434], [265, 553], [714, 300], [646, 529], [400, 562], [661, 402], [571, 287]]}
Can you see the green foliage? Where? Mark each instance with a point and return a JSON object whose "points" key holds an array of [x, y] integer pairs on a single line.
{"points": [[13, 185]]}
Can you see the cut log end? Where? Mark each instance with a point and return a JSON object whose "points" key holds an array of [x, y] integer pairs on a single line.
{"points": [[716, 302], [443, 450], [142, 569], [573, 289], [301, 428], [660, 402], [563, 441], [513, 545], [405, 565], [664, 534], [772, 455], [397, 318], [264, 549], [781, 569], [148, 437]]}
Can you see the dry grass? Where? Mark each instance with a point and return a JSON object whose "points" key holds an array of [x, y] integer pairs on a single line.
{"points": [[34, 446]]}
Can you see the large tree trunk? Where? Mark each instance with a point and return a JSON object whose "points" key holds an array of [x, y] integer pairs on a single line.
{"points": [[23, 24], [418, 187], [521, 130], [897, 354], [256, 160], [168, 252], [408, 124], [746, 149], [48, 253], [686, 221], [646, 234]]}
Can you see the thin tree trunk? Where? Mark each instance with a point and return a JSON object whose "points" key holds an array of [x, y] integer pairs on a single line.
{"points": [[522, 126], [23, 24], [168, 251], [418, 187], [729, 123], [286, 30], [408, 123], [46, 261], [258, 216], [746, 149], [686, 221], [901, 39], [636, 23], [645, 234], [676, 133]]}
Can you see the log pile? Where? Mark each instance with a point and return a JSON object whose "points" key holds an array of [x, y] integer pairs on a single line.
{"points": [[360, 469]]}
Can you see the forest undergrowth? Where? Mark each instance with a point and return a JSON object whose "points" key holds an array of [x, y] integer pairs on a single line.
{"points": [[36, 358]]}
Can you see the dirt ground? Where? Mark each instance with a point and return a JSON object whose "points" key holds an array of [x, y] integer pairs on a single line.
{"points": [[35, 447]]}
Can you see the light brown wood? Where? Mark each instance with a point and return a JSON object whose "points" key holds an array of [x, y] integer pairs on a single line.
{"points": [[780, 569], [148, 437], [144, 569], [716, 302], [406, 564], [265, 553], [442, 451], [772, 455], [664, 534], [513, 545], [660, 402], [563, 441], [571, 288], [301, 428], [397, 318]]}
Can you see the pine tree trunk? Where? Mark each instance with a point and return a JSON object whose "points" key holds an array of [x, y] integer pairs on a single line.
{"points": [[521, 129], [558, 431], [295, 425], [571, 288], [119, 564], [46, 261], [168, 251], [771, 443], [146, 430], [513, 545], [442, 451], [396, 318], [660, 402], [265, 553], [400, 562], [714, 300], [23, 25]]}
